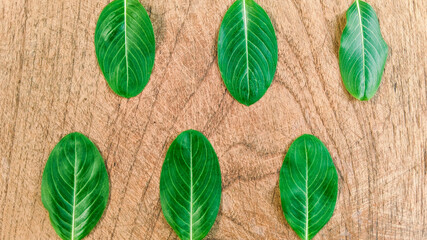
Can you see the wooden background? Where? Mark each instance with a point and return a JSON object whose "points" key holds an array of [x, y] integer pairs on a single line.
{"points": [[51, 85]]}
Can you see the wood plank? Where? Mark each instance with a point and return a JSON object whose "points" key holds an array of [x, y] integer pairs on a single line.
{"points": [[50, 85]]}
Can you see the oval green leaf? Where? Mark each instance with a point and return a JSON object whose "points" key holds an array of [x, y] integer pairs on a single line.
{"points": [[125, 46], [247, 51], [308, 186], [75, 186], [190, 185], [363, 52]]}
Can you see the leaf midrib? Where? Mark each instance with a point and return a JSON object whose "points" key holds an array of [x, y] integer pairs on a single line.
{"points": [[363, 45], [74, 188], [191, 187], [126, 47], [245, 22], [306, 190]]}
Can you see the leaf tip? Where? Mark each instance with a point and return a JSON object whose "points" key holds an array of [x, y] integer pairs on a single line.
{"points": [[247, 104], [307, 135], [249, 101], [191, 131]]}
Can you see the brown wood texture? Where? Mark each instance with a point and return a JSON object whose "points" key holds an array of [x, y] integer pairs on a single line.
{"points": [[51, 85]]}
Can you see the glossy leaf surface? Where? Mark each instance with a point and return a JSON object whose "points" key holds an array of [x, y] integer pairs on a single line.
{"points": [[363, 52], [308, 186], [125, 46], [247, 51], [75, 186], [190, 185]]}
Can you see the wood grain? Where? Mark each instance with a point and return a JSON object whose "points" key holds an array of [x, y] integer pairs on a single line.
{"points": [[50, 85]]}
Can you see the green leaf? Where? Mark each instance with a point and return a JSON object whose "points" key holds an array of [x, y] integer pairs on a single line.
{"points": [[363, 52], [308, 186], [247, 51], [190, 185], [74, 186], [125, 46]]}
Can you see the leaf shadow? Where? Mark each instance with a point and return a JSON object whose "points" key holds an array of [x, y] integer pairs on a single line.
{"points": [[276, 202], [339, 28], [216, 37], [277, 33], [158, 21], [107, 167], [215, 227]]}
